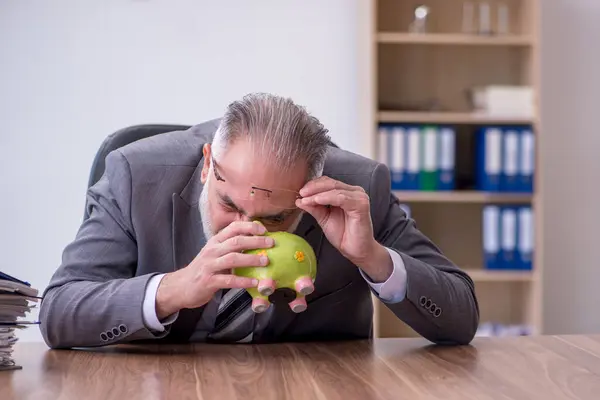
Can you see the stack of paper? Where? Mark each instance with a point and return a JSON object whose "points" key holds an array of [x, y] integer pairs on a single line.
{"points": [[17, 298]]}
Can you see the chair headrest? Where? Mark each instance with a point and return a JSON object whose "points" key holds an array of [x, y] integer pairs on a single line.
{"points": [[123, 137]]}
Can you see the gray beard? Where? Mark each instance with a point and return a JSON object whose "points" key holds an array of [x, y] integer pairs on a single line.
{"points": [[205, 214]]}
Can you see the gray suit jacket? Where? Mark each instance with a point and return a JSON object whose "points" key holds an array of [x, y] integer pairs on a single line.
{"points": [[144, 220]]}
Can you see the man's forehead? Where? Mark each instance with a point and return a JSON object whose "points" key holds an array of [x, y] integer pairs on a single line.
{"points": [[242, 164]]}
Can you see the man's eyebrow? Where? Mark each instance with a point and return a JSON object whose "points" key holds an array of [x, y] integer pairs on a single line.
{"points": [[216, 169], [229, 202]]}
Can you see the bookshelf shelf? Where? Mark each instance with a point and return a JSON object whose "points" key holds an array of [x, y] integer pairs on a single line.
{"points": [[447, 118], [406, 72], [463, 197], [452, 39], [500, 276]]}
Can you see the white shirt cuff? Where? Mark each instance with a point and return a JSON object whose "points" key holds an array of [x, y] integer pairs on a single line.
{"points": [[394, 289], [149, 307]]}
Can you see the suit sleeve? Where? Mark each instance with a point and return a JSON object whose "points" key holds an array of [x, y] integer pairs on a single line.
{"points": [[94, 298], [440, 302]]}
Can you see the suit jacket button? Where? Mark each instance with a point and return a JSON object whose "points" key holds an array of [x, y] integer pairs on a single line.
{"points": [[109, 334], [433, 307], [116, 332], [103, 337], [428, 303], [423, 300], [123, 328], [437, 312]]}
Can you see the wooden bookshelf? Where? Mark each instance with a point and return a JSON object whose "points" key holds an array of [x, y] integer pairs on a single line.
{"points": [[452, 39], [479, 275], [465, 118], [462, 197], [401, 74]]}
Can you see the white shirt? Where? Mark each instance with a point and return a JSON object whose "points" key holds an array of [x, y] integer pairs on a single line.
{"points": [[393, 290]]}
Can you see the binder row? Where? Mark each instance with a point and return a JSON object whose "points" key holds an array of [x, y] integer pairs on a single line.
{"points": [[508, 237], [422, 157], [505, 159], [497, 329], [419, 157]]}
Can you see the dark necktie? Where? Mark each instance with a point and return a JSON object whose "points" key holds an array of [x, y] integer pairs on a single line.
{"points": [[235, 318]]}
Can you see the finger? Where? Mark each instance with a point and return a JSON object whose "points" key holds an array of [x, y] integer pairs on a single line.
{"points": [[240, 243], [347, 200], [238, 260], [319, 213], [222, 281], [324, 184], [239, 228]]}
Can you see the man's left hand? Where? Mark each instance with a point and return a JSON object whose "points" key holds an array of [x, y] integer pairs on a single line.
{"points": [[343, 212]]}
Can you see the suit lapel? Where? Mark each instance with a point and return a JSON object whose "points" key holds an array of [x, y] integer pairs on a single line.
{"points": [[282, 316], [188, 237], [187, 241], [311, 232]]}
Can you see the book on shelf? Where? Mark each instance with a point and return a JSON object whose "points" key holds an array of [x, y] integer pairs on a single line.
{"points": [[17, 299]]}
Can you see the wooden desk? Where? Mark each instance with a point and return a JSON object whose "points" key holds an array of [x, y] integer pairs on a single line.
{"points": [[548, 367]]}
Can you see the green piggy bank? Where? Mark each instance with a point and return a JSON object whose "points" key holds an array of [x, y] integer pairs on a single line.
{"points": [[292, 264]]}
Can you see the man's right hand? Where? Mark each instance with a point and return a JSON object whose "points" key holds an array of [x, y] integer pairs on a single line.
{"points": [[194, 285]]}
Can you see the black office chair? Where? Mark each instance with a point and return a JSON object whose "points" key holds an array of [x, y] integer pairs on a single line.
{"points": [[121, 138]]}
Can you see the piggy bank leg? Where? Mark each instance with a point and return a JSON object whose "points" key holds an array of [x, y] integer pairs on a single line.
{"points": [[266, 287], [299, 304], [304, 285], [260, 304]]}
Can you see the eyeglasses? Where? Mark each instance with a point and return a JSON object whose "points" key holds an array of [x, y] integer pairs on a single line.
{"points": [[279, 198]]}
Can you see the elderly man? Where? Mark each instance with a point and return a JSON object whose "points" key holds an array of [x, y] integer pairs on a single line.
{"points": [[172, 214]]}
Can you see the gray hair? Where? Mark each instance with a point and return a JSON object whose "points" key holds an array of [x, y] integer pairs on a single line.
{"points": [[278, 128]]}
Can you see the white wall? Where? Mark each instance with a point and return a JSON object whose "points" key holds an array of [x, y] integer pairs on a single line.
{"points": [[71, 72], [570, 135]]}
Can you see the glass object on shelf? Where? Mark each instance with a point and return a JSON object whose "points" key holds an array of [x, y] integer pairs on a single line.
{"points": [[485, 21], [468, 17], [503, 19], [419, 23], [478, 17]]}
